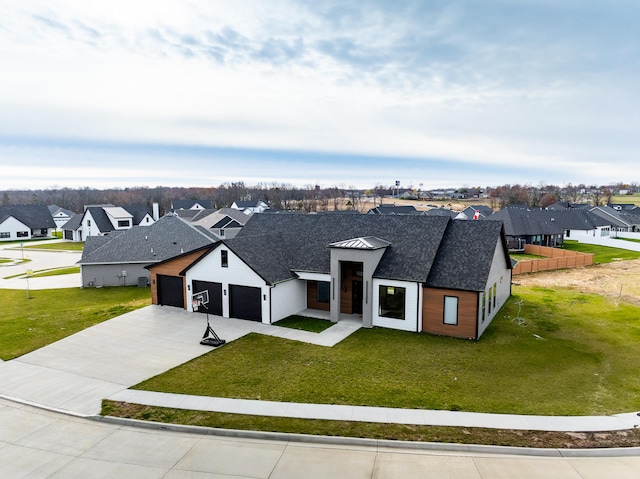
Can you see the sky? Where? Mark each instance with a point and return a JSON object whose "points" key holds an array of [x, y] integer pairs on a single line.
{"points": [[433, 94]]}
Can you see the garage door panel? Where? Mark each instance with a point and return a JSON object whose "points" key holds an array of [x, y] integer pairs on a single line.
{"points": [[245, 302], [215, 296], [170, 291]]}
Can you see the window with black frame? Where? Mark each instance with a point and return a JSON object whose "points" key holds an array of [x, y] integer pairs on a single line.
{"points": [[392, 302]]}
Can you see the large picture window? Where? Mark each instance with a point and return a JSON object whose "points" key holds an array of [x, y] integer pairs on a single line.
{"points": [[451, 310], [392, 302]]}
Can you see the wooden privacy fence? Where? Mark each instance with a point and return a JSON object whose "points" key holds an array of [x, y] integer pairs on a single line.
{"points": [[554, 259]]}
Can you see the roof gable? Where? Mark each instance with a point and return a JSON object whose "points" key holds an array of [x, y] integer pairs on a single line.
{"points": [[33, 216], [166, 238]]}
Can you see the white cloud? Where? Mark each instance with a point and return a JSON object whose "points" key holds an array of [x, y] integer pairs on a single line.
{"points": [[494, 85]]}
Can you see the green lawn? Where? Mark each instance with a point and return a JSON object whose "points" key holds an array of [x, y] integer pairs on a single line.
{"points": [[50, 315], [626, 199], [304, 323], [56, 272], [67, 246], [584, 362], [602, 254], [629, 239]]}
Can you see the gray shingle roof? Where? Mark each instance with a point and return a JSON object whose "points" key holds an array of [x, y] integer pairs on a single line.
{"points": [[33, 216], [100, 218], [465, 256], [138, 212], [74, 223], [166, 238], [394, 210], [276, 245], [524, 222]]}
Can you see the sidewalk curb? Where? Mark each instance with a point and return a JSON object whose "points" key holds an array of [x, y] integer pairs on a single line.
{"points": [[339, 440]]}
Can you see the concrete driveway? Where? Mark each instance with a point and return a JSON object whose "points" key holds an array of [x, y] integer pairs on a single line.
{"points": [[77, 372]]}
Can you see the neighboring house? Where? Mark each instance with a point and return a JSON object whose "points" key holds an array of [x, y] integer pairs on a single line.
{"points": [[72, 229], [119, 258], [524, 226], [60, 215], [441, 212], [408, 195], [479, 212], [248, 207], [394, 210], [565, 205], [224, 223], [25, 222], [406, 272], [190, 205], [580, 222], [620, 220], [99, 220]]}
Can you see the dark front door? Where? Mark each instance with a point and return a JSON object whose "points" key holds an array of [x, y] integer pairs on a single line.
{"points": [[245, 302], [215, 296], [356, 297], [170, 292]]}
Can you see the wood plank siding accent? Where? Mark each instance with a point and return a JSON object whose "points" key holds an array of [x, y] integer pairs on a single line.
{"points": [[433, 313], [173, 268], [350, 272], [312, 297]]}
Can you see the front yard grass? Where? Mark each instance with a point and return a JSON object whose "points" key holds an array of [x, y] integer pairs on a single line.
{"points": [[576, 354], [66, 246], [305, 323], [50, 315], [601, 254]]}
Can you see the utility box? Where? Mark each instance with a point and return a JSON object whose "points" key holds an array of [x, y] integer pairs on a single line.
{"points": [[143, 282]]}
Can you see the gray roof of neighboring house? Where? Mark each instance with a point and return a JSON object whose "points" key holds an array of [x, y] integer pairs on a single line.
{"points": [[138, 212], [394, 210], [577, 219], [484, 211], [441, 212], [224, 216], [275, 246], [100, 218], [620, 219], [565, 205], [32, 216], [74, 223], [55, 209], [166, 238], [524, 222]]}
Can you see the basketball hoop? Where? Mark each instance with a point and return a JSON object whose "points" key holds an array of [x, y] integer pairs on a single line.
{"points": [[195, 304]]}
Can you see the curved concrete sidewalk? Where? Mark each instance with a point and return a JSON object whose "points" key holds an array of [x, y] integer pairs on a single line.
{"points": [[417, 417]]}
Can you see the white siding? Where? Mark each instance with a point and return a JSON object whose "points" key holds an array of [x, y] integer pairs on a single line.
{"points": [[237, 272], [412, 303], [12, 226], [499, 275], [288, 298]]}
